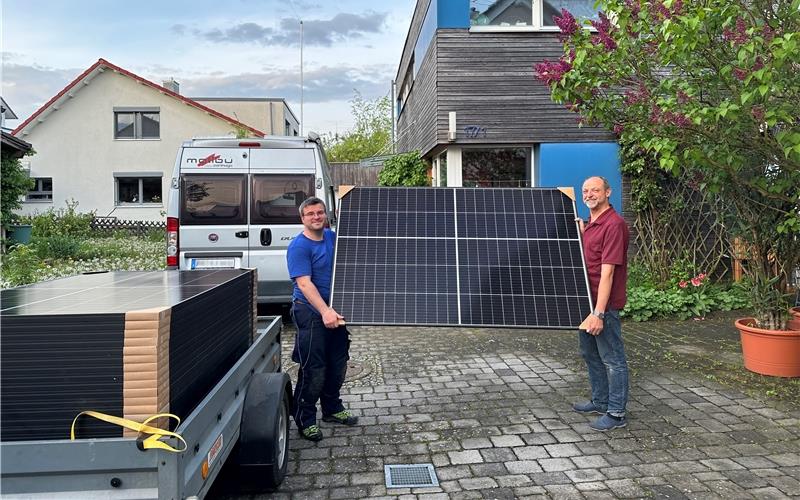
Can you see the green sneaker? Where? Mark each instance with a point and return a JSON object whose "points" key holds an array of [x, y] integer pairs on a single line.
{"points": [[343, 417], [312, 433]]}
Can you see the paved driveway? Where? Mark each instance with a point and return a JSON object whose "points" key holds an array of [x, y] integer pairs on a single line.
{"points": [[491, 410]]}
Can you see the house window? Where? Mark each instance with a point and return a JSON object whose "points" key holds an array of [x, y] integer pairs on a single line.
{"points": [[496, 167], [138, 189], [526, 14], [42, 190], [405, 88], [137, 124], [440, 169]]}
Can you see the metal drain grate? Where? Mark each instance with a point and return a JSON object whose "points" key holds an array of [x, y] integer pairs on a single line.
{"points": [[410, 476]]}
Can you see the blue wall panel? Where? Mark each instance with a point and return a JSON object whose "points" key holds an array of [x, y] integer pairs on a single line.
{"points": [[453, 13], [440, 14], [569, 164]]}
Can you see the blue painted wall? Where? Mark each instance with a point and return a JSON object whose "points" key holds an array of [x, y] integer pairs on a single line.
{"points": [[453, 13], [570, 164], [440, 14]]}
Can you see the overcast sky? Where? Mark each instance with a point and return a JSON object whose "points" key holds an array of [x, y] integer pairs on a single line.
{"points": [[213, 48]]}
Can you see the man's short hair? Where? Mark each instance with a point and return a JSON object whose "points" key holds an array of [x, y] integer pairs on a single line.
{"points": [[311, 201], [606, 185]]}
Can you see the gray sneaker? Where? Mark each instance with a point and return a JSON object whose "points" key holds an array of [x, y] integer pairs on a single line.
{"points": [[589, 407], [607, 422]]}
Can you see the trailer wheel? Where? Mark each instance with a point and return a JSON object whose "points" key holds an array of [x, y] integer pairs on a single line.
{"points": [[264, 437]]}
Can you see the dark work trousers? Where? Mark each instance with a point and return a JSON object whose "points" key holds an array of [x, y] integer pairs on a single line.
{"points": [[322, 354]]}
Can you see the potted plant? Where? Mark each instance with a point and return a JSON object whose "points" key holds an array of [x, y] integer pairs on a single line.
{"points": [[15, 183], [708, 90]]}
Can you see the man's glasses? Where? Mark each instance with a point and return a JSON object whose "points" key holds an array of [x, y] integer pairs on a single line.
{"points": [[312, 214]]}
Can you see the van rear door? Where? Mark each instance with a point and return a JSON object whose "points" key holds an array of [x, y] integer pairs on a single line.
{"points": [[213, 212], [280, 179]]}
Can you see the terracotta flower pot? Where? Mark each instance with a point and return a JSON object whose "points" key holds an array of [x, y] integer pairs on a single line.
{"points": [[794, 319], [769, 352]]}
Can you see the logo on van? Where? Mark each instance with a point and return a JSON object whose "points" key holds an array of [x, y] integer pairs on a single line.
{"points": [[212, 158], [213, 237]]}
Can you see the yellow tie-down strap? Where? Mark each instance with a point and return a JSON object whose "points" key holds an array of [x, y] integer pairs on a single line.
{"points": [[154, 434]]}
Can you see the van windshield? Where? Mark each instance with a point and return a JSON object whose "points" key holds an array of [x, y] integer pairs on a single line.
{"points": [[213, 199], [277, 197]]}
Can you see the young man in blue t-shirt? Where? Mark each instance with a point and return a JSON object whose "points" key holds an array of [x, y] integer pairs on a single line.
{"points": [[322, 342]]}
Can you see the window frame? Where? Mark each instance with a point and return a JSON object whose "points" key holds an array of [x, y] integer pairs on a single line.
{"points": [[240, 220], [536, 23], [38, 191], [140, 176], [404, 91], [530, 167], [137, 113], [293, 218]]}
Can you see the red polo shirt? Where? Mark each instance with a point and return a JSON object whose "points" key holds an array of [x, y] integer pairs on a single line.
{"points": [[605, 241]]}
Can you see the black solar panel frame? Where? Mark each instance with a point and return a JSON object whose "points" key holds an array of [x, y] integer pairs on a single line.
{"points": [[382, 224]]}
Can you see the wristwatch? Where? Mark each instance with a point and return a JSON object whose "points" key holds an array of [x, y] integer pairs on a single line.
{"points": [[599, 314]]}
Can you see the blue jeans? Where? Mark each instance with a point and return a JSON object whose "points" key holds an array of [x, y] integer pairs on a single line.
{"points": [[322, 354], [608, 370]]}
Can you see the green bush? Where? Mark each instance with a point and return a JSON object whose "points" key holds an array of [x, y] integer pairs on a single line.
{"points": [[692, 298], [157, 236], [407, 169], [20, 266], [62, 222], [14, 183], [56, 247]]}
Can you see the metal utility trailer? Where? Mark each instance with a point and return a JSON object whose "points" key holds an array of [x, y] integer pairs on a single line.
{"points": [[245, 418]]}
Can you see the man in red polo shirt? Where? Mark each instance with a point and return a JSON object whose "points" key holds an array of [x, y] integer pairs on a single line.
{"points": [[605, 249]]}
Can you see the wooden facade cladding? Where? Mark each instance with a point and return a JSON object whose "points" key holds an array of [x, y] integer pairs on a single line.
{"points": [[488, 79], [417, 124], [411, 39]]}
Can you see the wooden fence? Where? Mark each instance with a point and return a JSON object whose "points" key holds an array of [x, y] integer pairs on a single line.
{"points": [[354, 174]]}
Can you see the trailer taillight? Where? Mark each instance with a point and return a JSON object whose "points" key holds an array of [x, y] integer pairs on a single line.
{"points": [[172, 242]]}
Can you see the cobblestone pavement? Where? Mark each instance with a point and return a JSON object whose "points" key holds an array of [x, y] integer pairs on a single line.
{"points": [[491, 410]]}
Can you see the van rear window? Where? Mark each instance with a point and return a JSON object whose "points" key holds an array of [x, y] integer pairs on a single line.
{"points": [[277, 197], [213, 199]]}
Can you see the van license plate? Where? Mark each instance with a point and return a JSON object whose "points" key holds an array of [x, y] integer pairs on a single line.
{"points": [[213, 263]]}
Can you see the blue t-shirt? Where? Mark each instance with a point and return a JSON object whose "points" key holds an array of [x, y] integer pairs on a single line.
{"points": [[306, 257]]}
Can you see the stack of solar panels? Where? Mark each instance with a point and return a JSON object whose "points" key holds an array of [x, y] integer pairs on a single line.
{"points": [[460, 256], [128, 344]]}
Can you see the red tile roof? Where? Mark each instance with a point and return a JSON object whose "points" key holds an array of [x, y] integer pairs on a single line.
{"points": [[103, 63]]}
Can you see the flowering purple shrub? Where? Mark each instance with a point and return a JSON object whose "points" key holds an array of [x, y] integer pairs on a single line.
{"points": [[709, 91]]}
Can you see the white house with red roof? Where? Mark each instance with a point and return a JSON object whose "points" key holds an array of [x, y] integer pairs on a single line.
{"points": [[108, 140]]}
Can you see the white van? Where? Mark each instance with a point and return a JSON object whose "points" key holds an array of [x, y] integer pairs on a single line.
{"points": [[234, 203]]}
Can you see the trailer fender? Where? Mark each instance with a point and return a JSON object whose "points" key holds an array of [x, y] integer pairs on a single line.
{"points": [[264, 435]]}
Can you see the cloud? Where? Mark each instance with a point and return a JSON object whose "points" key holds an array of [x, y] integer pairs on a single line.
{"points": [[322, 84], [323, 33], [28, 87]]}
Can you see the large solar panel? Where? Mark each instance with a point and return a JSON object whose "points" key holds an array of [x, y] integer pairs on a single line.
{"points": [[459, 256]]}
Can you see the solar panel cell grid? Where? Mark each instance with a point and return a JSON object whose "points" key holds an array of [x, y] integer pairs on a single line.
{"points": [[508, 257]]}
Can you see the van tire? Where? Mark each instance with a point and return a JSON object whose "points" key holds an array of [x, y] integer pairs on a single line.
{"points": [[263, 453]]}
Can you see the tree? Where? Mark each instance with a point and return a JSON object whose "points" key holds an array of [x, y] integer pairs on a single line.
{"points": [[709, 90], [407, 169], [15, 183], [371, 134]]}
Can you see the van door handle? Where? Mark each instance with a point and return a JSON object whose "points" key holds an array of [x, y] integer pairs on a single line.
{"points": [[242, 234], [266, 237]]}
